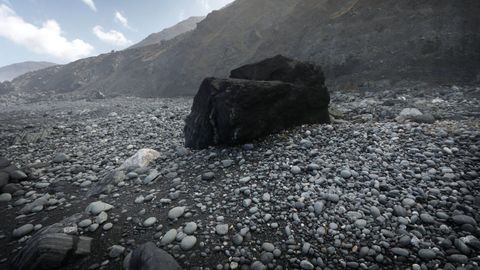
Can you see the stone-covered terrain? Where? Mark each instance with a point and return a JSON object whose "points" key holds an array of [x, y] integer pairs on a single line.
{"points": [[392, 183]]}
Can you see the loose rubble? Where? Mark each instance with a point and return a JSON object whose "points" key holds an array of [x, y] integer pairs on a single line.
{"points": [[368, 191]]}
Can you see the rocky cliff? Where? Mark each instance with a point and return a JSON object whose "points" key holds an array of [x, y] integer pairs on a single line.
{"points": [[356, 42], [170, 33]]}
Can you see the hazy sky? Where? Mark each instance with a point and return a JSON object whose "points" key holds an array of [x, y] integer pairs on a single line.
{"points": [[61, 31]]}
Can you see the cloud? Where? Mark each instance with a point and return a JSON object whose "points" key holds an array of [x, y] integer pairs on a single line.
{"points": [[90, 4], [205, 4], [209, 5], [119, 18], [112, 37], [46, 39]]}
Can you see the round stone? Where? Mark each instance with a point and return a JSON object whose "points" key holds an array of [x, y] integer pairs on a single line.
{"points": [[360, 223], [107, 226], [400, 252], [23, 230], [221, 229], [176, 212], [295, 170], [306, 265], [464, 219], [346, 173], [208, 176], [116, 250], [84, 223], [149, 222], [5, 197], [188, 242], [190, 228], [169, 237], [101, 218], [427, 254], [268, 247], [97, 207], [427, 218], [237, 239]]}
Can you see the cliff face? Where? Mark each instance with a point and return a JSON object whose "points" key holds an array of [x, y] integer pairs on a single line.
{"points": [[169, 33], [354, 41]]}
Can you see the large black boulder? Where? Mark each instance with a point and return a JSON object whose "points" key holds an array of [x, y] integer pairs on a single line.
{"points": [[281, 68], [236, 111]]}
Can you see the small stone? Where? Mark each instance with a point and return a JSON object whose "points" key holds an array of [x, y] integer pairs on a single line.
{"points": [[84, 223], [23, 230], [176, 212], [346, 174], [427, 254], [464, 219], [400, 252], [97, 207], [221, 229], [374, 211], [306, 265], [269, 247], [5, 197], [101, 218], [18, 175], [116, 250], [59, 158], [360, 223], [295, 170], [427, 218], [149, 222], [208, 176], [237, 239], [458, 258], [168, 237], [190, 228], [107, 226], [188, 242]]}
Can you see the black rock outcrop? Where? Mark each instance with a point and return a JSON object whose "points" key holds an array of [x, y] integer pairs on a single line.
{"points": [[150, 257], [234, 111], [52, 247]]}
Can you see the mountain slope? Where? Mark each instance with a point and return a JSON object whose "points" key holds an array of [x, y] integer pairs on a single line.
{"points": [[7, 73], [169, 33], [354, 41]]}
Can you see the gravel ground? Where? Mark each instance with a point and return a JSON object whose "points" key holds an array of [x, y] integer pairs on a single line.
{"points": [[369, 191]]}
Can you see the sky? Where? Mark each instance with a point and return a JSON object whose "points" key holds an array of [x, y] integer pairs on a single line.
{"points": [[62, 31]]}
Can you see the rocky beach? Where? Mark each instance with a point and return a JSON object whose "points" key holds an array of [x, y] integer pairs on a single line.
{"points": [[391, 183]]}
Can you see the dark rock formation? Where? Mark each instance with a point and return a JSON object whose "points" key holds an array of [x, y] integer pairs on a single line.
{"points": [[281, 68], [234, 111], [150, 257], [51, 247]]}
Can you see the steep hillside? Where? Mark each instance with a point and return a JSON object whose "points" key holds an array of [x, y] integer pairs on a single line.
{"points": [[169, 33], [355, 42], [8, 73]]}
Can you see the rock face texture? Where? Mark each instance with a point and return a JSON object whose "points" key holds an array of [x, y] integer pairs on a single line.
{"points": [[355, 42], [51, 248], [150, 257], [169, 33], [286, 93]]}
